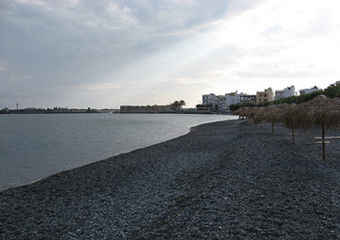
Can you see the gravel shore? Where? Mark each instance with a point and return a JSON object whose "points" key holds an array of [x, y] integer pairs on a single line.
{"points": [[224, 180]]}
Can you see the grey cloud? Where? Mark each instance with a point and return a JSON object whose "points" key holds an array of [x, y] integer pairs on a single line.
{"points": [[57, 44], [5, 95]]}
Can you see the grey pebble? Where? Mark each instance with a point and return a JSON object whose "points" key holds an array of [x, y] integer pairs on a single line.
{"points": [[224, 180]]}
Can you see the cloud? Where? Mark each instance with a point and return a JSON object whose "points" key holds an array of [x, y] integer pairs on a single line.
{"points": [[77, 49], [39, 2], [120, 13], [5, 95], [101, 86], [189, 80]]}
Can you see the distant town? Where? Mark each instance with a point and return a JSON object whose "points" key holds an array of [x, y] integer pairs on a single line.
{"points": [[211, 103], [225, 104]]}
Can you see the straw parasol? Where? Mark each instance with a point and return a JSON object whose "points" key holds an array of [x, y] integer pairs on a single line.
{"points": [[240, 112], [247, 112], [336, 99], [250, 112], [259, 114], [320, 111], [273, 114], [288, 117]]}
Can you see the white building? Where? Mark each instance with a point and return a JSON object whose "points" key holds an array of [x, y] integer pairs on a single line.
{"points": [[221, 102], [209, 99], [232, 98], [309, 90], [287, 92]]}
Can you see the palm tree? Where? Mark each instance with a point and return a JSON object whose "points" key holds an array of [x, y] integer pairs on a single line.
{"points": [[182, 103], [177, 105]]}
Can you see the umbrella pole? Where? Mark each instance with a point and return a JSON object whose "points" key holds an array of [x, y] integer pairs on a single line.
{"points": [[293, 137], [323, 141], [272, 127], [261, 125]]}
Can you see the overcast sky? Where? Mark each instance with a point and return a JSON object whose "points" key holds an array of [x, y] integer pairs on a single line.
{"points": [[107, 53]]}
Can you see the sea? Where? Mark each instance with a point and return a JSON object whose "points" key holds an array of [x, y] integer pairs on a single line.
{"points": [[35, 146]]}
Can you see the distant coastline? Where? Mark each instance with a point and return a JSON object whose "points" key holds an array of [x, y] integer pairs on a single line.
{"points": [[14, 112], [182, 112], [136, 110], [175, 107], [56, 110]]}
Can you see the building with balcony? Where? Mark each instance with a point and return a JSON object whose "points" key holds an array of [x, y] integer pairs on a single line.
{"points": [[221, 103], [209, 99], [266, 96], [232, 98], [248, 98]]}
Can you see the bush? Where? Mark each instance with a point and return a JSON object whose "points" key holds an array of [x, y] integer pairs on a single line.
{"points": [[299, 99], [234, 107], [332, 91]]}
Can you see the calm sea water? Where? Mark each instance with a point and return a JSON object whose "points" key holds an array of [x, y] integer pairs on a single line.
{"points": [[35, 146]]}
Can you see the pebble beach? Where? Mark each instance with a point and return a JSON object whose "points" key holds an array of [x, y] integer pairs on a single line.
{"points": [[223, 180]]}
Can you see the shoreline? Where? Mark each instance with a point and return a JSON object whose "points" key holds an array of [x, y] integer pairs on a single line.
{"points": [[77, 152], [222, 180], [35, 181]]}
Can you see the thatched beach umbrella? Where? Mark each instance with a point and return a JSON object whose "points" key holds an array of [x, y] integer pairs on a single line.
{"points": [[240, 112], [336, 99], [270, 113], [259, 114], [288, 117], [250, 112], [274, 113], [247, 112], [321, 111]]}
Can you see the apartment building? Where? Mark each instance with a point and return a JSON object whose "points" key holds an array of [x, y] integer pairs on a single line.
{"points": [[209, 99], [265, 96], [221, 103], [232, 98], [245, 98]]}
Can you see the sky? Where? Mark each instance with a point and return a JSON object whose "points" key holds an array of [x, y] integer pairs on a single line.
{"points": [[107, 53]]}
